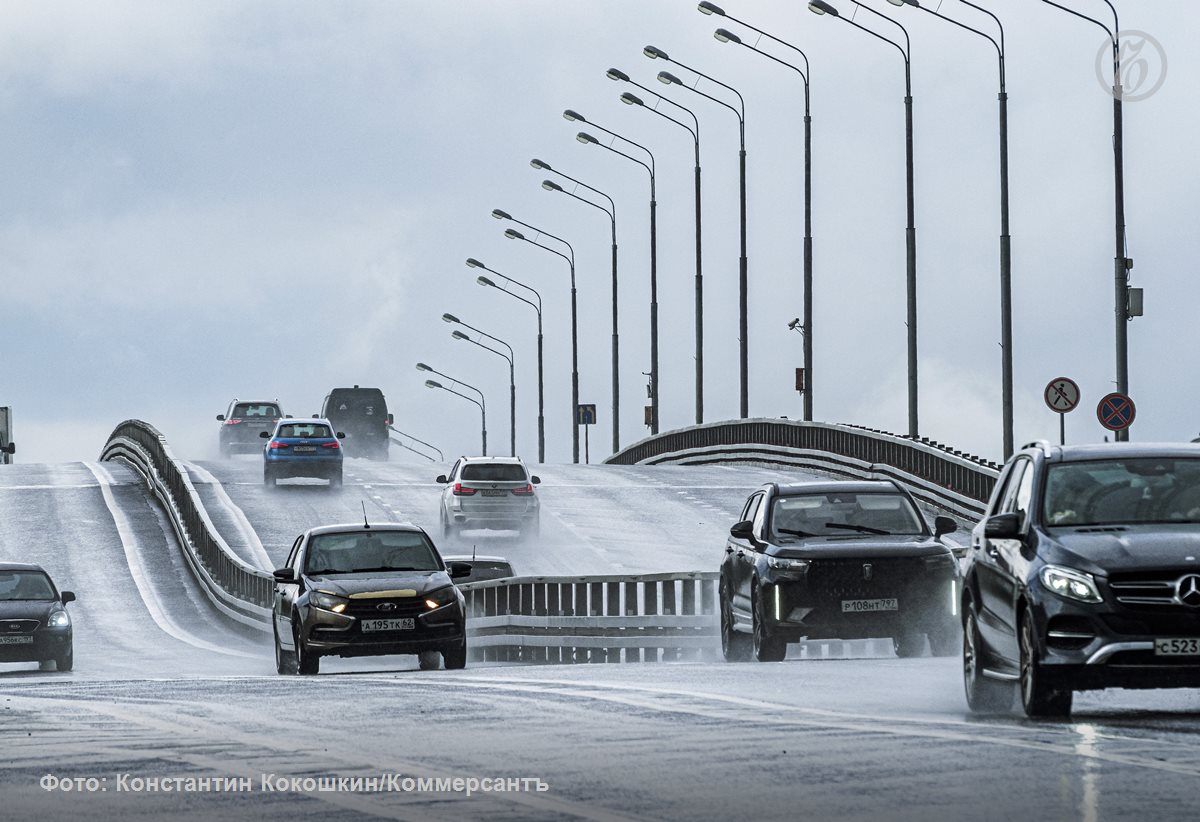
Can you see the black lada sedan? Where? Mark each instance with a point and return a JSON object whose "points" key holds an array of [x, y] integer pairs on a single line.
{"points": [[833, 559], [367, 590], [1084, 574], [34, 625]]}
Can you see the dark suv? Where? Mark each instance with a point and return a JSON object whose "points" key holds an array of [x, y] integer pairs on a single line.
{"points": [[243, 423], [362, 414], [836, 559], [1084, 574]]}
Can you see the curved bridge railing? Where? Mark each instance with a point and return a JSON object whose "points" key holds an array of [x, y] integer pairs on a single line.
{"points": [[934, 473], [239, 590]]}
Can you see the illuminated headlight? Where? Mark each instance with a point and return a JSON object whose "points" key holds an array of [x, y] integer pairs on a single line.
{"points": [[1070, 584], [59, 619], [783, 564], [440, 598], [328, 602]]}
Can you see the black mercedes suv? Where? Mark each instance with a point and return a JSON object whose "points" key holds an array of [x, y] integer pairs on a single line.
{"points": [[1084, 574], [826, 559]]}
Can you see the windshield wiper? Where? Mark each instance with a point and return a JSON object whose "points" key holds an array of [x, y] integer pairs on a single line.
{"points": [[862, 529], [385, 569], [793, 532], [323, 572]]}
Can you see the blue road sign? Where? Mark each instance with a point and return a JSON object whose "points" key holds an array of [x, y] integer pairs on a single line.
{"points": [[1116, 412], [585, 414]]}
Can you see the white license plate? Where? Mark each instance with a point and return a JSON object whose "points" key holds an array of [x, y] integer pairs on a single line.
{"points": [[369, 625], [1177, 647], [304, 449], [491, 493], [16, 640], [860, 606]]}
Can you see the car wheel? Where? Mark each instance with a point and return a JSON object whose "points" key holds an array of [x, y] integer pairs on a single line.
{"points": [[335, 480], [66, 660], [307, 663], [455, 656], [284, 661], [429, 660], [767, 648], [533, 528], [734, 646], [945, 640], [449, 529], [225, 451], [983, 695], [908, 644], [1038, 696], [268, 477]]}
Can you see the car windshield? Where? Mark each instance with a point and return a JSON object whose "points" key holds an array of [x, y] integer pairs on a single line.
{"points": [[494, 472], [1123, 492], [303, 431], [259, 410], [362, 551], [25, 585], [843, 514]]}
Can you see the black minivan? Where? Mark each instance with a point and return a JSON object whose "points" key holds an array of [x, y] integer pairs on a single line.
{"points": [[362, 414]]}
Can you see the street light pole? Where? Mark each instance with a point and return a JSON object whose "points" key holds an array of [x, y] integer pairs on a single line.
{"points": [[480, 402], [725, 36], [512, 379], [473, 263], [821, 7]]}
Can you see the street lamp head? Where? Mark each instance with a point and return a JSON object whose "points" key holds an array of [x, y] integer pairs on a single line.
{"points": [[573, 116], [539, 165], [727, 36], [450, 318], [458, 335], [905, 3], [423, 367], [711, 8], [655, 53], [669, 79], [631, 100], [501, 215], [821, 7], [474, 263], [616, 74], [432, 384], [513, 235], [586, 138], [485, 281], [550, 185]]}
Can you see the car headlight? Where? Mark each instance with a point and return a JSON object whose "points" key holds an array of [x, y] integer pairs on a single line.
{"points": [[945, 560], [328, 602], [59, 619], [440, 598], [784, 564], [1070, 584]]}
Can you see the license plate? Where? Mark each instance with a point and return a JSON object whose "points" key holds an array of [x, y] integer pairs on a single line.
{"points": [[369, 625], [1177, 647], [16, 640], [304, 449], [494, 493], [860, 606]]}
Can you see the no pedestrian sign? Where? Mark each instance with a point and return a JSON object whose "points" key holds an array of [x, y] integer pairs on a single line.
{"points": [[1116, 412], [1062, 395]]}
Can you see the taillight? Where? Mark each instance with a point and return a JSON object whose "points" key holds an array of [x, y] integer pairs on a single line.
{"points": [[333, 444], [232, 421], [277, 444], [459, 491], [527, 491]]}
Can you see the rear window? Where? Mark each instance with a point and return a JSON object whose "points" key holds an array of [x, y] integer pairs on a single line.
{"points": [[305, 430], [362, 403], [25, 585], [494, 472], [265, 409]]}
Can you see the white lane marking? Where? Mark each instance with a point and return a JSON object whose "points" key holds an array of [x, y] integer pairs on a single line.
{"points": [[239, 517], [46, 487], [129, 543]]}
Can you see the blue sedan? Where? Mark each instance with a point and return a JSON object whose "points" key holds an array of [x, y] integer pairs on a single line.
{"points": [[302, 448]]}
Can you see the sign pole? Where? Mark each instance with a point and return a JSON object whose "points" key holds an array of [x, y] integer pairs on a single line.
{"points": [[1062, 429], [586, 450]]}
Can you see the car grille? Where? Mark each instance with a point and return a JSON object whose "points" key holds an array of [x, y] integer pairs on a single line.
{"points": [[838, 579], [369, 608], [18, 626], [1151, 590]]}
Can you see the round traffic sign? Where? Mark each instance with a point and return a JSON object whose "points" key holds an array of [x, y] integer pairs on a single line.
{"points": [[1062, 395], [1116, 412]]}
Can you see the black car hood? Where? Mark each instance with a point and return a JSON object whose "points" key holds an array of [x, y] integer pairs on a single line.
{"points": [[1136, 548], [859, 545], [27, 608], [350, 585]]}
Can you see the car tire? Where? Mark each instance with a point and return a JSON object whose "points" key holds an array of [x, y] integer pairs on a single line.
{"points": [[285, 662], [268, 477], [1039, 697], [945, 641], [429, 660], [533, 528], [455, 656], [983, 695], [335, 480], [767, 648], [307, 664], [908, 644], [735, 647], [225, 451], [66, 660], [449, 530]]}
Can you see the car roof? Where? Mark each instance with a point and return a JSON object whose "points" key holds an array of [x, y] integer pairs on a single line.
{"points": [[355, 527], [836, 486], [469, 558], [512, 460], [1117, 450], [21, 566], [304, 420], [254, 402]]}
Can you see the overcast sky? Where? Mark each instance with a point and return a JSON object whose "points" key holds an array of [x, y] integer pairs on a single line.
{"points": [[271, 199]]}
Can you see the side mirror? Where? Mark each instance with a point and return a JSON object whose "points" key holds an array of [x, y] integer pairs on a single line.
{"points": [[10, 449], [1003, 526], [536, 480], [442, 479], [460, 569], [341, 435], [220, 418], [266, 435], [389, 419], [743, 530], [316, 416], [944, 525], [284, 574], [67, 596]]}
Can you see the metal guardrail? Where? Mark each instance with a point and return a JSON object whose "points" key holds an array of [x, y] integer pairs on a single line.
{"points": [[934, 473], [238, 589], [617, 618]]}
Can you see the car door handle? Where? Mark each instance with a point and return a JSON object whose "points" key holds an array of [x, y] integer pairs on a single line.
{"points": [[993, 552]]}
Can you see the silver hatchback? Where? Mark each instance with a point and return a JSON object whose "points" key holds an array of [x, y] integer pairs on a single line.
{"points": [[489, 492]]}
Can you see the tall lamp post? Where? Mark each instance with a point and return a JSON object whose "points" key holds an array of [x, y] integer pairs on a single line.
{"points": [[587, 139], [513, 234], [512, 380], [1122, 263], [725, 36], [480, 402], [820, 7], [484, 281], [739, 111], [1006, 340], [633, 100], [611, 213]]}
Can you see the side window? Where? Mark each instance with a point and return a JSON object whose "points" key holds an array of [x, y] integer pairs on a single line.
{"points": [[751, 508], [1003, 485], [298, 559], [1024, 494], [1015, 481], [292, 553], [760, 516]]}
